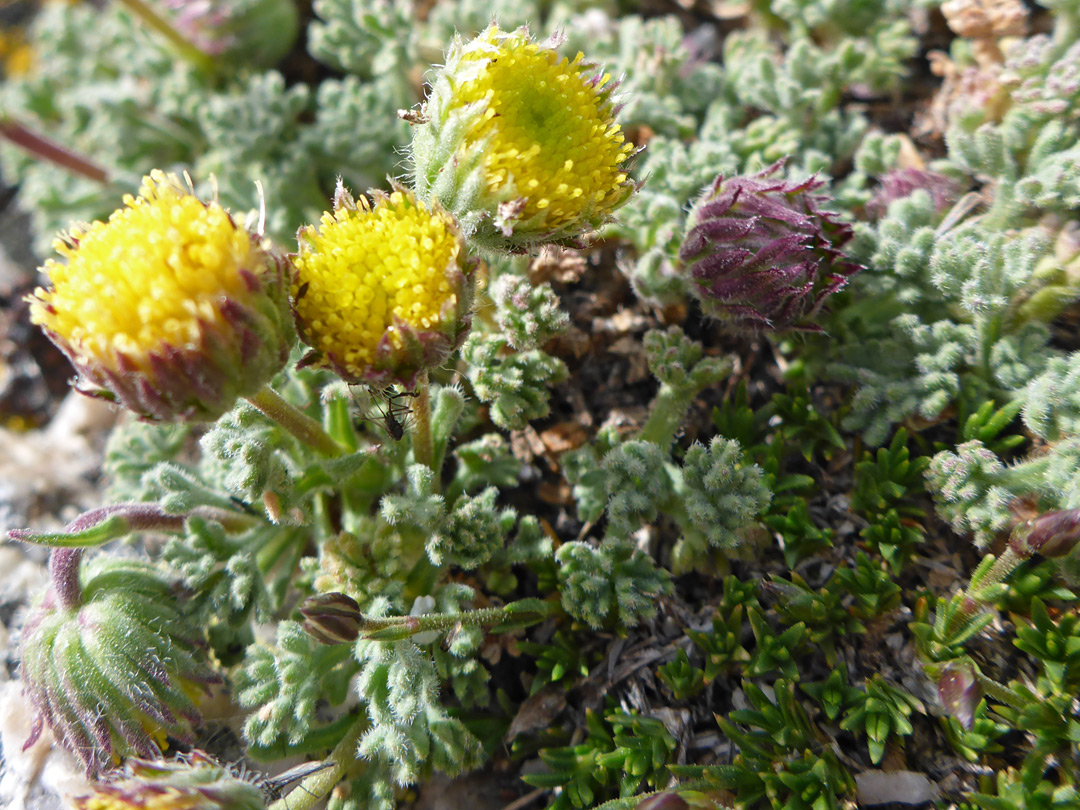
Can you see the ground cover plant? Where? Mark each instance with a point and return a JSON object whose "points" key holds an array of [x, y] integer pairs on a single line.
{"points": [[644, 405]]}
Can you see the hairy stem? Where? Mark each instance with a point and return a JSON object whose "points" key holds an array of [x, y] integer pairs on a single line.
{"points": [[422, 442], [1001, 693], [335, 618], [64, 573], [99, 526], [1003, 566], [388, 628], [1001, 210], [299, 424], [1021, 476], [666, 415], [972, 604]]}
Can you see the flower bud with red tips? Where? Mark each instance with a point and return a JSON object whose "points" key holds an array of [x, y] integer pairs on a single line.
{"points": [[384, 288], [520, 143], [170, 308], [191, 782], [667, 800], [112, 663], [1053, 534], [761, 254], [959, 691], [331, 618]]}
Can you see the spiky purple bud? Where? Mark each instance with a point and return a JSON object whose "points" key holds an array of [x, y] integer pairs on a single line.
{"points": [[762, 254], [900, 183]]}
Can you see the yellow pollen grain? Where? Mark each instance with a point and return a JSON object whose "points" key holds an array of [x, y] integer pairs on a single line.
{"points": [[364, 267], [143, 279], [554, 134]]}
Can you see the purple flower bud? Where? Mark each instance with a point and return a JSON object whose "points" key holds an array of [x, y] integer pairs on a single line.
{"points": [[255, 32], [901, 183], [762, 254], [668, 800], [118, 665], [960, 692], [1053, 534], [331, 618]]}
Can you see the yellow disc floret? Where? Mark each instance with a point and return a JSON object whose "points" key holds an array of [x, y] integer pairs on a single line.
{"points": [[153, 275], [372, 278], [552, 132]]}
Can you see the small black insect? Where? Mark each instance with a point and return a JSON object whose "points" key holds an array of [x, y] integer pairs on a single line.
{"points": [[245, 506], [274, 786], [395, 412], [301, 291]]}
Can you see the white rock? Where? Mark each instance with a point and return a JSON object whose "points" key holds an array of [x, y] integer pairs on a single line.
{"points": [[43, 766], [882, 787]]}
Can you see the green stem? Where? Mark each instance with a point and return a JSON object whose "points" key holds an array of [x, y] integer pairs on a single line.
{"points": [[666, 415], [99, 526], [971, 603], [323, 517], [1066, 25], [299, 424], [186, 49], [390, 628], [1025, 477], [267, 556], [422, 442], [315, 788], [1001, 210], [1003, 566], [351, 624], [1001, 693], [988, 328]]}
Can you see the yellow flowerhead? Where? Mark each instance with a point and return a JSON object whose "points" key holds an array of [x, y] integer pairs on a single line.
{"points": [[195, 782], [520, 143], [383, 289], [170, 307]]}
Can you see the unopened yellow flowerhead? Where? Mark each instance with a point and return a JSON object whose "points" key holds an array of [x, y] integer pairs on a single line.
{"points": [[520, 143], [383, 288], [170, 307], [195, 782]]}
